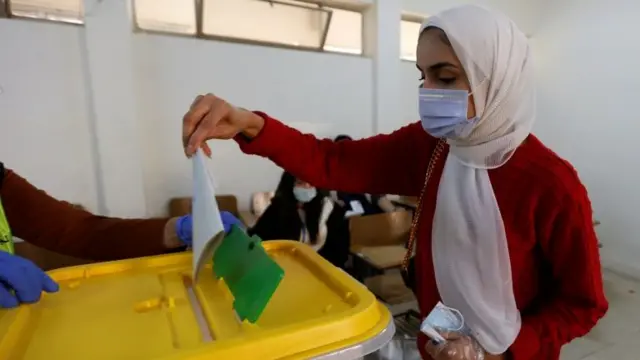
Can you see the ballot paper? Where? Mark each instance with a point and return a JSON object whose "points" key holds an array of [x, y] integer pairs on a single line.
{"points": [[208, 230]]}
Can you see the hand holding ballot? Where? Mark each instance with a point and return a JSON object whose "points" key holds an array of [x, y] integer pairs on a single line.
{"points": [[211, 117]]}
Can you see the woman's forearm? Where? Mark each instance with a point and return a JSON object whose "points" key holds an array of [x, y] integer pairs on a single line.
{"points": [[359, 166]]}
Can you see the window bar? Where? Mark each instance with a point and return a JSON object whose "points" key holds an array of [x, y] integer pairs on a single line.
{"points": [[5, 9], [199, 6], [326, 29]]}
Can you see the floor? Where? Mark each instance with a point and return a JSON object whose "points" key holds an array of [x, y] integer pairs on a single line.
{"points": [[617, 336]]}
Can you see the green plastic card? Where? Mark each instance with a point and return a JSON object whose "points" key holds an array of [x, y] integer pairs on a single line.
{"points": [[250, 273]]}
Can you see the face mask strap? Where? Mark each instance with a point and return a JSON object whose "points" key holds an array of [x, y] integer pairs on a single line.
{"points": [[458, 314]]}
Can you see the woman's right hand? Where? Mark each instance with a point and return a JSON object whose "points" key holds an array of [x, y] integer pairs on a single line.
{"points": [[211, 117]]}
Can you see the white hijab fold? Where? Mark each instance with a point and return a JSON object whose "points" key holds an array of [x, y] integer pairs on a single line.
{"points": [[469, 243]]}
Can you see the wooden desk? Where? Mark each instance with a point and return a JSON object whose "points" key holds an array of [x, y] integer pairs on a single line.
{"points": [[382, 257], [406, 202]]}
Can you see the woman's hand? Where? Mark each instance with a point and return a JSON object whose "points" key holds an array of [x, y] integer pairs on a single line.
{"points": [[210, 117], [459, 347], [179, 231]]}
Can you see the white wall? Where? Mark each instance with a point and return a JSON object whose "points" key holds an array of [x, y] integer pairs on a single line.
{"points": [[44, 131], [588, 95], [327, 94]]}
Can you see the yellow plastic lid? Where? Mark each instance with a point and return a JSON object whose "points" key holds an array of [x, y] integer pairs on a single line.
{"points": [[148, 309]]}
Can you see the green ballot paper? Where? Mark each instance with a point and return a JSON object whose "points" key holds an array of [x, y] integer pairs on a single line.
{"points": [[250, 273]]}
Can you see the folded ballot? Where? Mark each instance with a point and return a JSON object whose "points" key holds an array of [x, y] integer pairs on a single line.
{"points": [[208, 230]]}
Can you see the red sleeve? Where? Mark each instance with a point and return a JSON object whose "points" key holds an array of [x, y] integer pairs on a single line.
{"points": [[382, 164], [37, 218], [570, 247]]}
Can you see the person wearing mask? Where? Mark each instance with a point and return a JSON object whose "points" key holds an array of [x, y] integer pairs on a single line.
{"points": [[299, 211], [503, 229], [360, 204], [35, 217]]}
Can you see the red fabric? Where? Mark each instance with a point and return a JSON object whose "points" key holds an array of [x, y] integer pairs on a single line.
{"points": [[55, 225], [547, 215]]}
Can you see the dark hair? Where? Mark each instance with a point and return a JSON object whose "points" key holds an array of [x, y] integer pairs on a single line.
{"points": [[443, 36], [284, 196], [342, 137]]}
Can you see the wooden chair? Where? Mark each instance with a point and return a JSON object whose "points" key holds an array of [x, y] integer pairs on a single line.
{"points": [[380, 239], [182, 206], [378, 246]]}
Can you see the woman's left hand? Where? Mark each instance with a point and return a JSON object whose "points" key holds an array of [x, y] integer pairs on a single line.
{"points": [[459, 347]]}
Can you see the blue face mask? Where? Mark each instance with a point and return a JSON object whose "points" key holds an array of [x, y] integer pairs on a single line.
{"points": [[303, 194], [443, 112], [443, 318]]}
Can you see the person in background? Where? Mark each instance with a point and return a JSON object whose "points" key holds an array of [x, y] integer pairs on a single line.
{"points": [[299, 211], [503, 229], [360, 204], [35, 217]]}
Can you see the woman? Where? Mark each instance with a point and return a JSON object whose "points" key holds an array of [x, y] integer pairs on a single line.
{"points": [[299, 211], [35, 217], [504, 232], [360, 204]]}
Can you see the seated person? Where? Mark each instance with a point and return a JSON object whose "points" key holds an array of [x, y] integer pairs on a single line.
{"points": [[360, 204], [299, 211]]}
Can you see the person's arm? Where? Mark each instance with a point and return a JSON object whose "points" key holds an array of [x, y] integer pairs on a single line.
{"points": [[382, 164], [571, 249], [55, 225]]}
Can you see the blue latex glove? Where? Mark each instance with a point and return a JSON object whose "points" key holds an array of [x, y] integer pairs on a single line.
{"points": [[21, 281], [184, 226]]}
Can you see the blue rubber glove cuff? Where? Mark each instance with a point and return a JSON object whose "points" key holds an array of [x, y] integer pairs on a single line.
{"points": [[184, 230], [184, 226], [229, 220]]}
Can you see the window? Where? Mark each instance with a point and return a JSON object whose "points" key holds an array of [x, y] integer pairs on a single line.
{"points": [[409, 33], [70, 11], [287, 23], [345, 32], [172, 16], [282, 23]]}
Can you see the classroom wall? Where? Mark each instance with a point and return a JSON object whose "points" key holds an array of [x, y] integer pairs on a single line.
{"points": [[323, 93], [45, 134], [588, 90]]}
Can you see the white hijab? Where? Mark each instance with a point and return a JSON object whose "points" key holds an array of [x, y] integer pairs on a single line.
{"points": [[470, 252]]}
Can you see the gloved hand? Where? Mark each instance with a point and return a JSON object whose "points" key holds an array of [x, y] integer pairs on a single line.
{"points": [[24, 279], [457, 347], [184, 226]]}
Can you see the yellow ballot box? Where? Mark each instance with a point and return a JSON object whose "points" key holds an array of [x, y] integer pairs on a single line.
{"points": [[149, 308]]}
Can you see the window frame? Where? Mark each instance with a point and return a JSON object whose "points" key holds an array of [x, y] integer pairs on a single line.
{"points": [[6, 13], [199, 33], [300, 4], [414, 18], [4, 9]]}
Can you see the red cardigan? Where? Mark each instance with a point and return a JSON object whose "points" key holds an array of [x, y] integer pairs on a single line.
{"points": [[555, 262]]}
